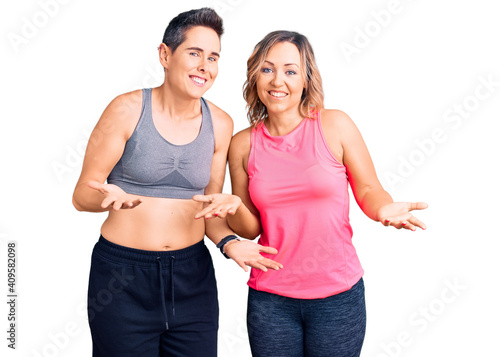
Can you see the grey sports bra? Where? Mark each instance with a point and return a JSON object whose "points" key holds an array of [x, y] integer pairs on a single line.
{"points": [[152, 166]]}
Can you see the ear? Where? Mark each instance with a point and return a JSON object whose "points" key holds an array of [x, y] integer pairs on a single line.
{"points": [[164, 54]]}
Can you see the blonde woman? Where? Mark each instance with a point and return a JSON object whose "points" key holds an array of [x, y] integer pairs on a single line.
{"points": [[290, 173]]}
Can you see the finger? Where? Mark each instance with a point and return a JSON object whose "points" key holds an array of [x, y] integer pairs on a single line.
{"points": [[210, 215], [407, 225], [397, 220], [417, 205], [411, 227], [203, 212], [117, 205], [220, 214], [268, 250], [137, 202], [396, 223], [256, 265], [129, 204], [417, 223], [386, 222], [271, 264], [208, 211], [203, 198], [107, 201], [242, 265]]}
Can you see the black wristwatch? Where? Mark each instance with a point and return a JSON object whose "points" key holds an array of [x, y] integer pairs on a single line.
{"points": [[223, 242]]}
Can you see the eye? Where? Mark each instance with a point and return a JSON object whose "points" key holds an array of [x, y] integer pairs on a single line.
{"points": [[291, 73], [266, 70], [212, 59], [195, 54]]}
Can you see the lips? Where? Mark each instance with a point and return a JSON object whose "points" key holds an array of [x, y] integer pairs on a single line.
{"points": [[199, 81], [277, 94]]}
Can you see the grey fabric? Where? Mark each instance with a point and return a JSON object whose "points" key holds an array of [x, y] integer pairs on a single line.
{"points": [[152, 166]]}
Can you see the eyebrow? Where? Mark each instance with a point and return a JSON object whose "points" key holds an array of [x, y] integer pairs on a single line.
{"points": [[201, 50], [286, 64]]}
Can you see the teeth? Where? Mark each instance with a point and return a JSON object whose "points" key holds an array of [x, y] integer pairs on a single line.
{"points": [[198, 80], [277, 94]]}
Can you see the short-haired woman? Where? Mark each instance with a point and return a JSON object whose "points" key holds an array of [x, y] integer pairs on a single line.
{"points": [[152, 288]]}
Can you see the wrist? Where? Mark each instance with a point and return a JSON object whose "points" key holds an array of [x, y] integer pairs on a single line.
{"points": [[224, 249], [225, 241]]}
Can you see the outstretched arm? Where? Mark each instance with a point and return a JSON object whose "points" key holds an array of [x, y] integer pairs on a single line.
{"points": [[104, 149], [373, 200]]}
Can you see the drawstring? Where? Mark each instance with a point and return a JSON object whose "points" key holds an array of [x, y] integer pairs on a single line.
{"points": [[172, 283], [162, 288], [162, 295]]}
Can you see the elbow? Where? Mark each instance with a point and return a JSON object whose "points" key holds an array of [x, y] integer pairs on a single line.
{"points": [[78, 207], [253, 234], [250, 234]]}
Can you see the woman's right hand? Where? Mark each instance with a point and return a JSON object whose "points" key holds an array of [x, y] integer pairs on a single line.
{"points": [[114, 197], [218, 205]]}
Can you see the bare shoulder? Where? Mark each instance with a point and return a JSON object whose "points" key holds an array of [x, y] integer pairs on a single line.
{"points": [[239, 151], [122, 113], [220, 119], [127, 104], [334, 119], [241, 141]]}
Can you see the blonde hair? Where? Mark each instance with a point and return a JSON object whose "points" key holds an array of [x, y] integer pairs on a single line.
{"points": [[312, 97]]}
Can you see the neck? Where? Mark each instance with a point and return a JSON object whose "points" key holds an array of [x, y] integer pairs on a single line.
{"points": [[279, 124], [176, 107]]}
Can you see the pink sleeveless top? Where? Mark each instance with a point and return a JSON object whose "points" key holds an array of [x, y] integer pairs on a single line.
{"points": [[300, 190]]}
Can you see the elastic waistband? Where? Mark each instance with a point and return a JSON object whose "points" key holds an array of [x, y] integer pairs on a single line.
{"points": [[131, 255]]}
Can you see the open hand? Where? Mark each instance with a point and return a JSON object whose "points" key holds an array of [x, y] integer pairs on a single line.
{"points": [[219, 205], [114, 197], [397, 214], [245, 253]]}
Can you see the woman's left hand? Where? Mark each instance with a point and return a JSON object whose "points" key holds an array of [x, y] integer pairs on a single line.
{"points": [[397, 214], [218, 205]]}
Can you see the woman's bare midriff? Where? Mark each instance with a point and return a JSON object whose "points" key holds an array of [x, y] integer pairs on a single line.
{"points": [[156, 224]]}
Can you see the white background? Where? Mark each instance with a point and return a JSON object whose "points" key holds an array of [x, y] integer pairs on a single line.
{"points": [[414, 64]]}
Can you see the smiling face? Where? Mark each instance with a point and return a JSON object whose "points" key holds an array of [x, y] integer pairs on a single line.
{"points": [[192, 68], [280, 83]]}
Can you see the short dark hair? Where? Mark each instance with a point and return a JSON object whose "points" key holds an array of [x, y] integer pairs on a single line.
{"points": [[175, 34]]}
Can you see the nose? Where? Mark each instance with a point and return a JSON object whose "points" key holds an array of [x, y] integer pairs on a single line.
{"points": [[202, 66], [277, 80]]}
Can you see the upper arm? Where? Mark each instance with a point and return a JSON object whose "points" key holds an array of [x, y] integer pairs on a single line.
{"points": [[223, 130], [239, 152], [107, 141], [340, 131]]}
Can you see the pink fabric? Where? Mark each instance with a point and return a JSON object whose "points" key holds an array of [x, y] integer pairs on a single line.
{"points": [[300, 190]]}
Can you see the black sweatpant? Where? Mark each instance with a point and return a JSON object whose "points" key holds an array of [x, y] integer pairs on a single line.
{"points": [[150, 304]]}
